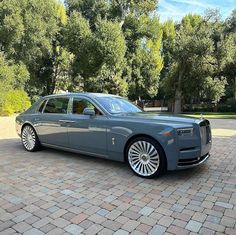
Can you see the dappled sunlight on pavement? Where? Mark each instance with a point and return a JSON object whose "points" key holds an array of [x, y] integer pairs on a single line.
{"points": [[7, 128], [223, 132], [58, 192]]}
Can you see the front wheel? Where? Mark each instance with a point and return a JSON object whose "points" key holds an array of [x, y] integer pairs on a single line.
{"points": [[30, 139], [145, 157]]}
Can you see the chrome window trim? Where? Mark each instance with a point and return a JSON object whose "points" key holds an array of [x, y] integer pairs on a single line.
{"points": [[89, 100], [114, 114], [57, 97], [41, 103], [45, 105]]}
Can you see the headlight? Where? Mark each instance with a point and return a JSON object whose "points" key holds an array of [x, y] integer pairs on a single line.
{"points": [[185, 132]]}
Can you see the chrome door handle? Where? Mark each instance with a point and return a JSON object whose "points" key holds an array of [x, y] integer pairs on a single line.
{"points": [[67, 121]]}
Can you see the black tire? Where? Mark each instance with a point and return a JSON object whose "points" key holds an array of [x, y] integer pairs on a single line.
{"points": [[152, 161], [29, 139]]}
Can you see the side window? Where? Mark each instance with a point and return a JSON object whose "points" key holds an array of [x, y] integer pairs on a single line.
{"points": [[57, 105], [42, 106], [80, 104]]}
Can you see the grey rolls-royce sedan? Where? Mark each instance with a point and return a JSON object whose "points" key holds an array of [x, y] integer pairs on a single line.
{"points": [[111, 127]]}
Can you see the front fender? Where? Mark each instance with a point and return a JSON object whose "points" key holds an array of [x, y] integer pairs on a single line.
{"points": [[119, 135]]}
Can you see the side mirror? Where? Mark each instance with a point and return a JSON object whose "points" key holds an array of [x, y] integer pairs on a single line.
{"points": [[89, 111]]}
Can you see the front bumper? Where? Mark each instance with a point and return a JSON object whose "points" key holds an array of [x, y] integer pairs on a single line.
{"points": [[192, 162], [193, 156]]}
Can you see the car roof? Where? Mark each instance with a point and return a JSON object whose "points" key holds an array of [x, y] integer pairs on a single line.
{"points": [[86, 94]]}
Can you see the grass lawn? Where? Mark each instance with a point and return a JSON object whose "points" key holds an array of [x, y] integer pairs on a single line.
{"points": [[211, 115]]}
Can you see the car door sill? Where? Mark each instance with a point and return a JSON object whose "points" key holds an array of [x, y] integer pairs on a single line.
{"points": [[75, 150]]}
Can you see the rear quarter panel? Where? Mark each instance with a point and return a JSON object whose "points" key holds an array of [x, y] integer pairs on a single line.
{"points": [[24, 119]]}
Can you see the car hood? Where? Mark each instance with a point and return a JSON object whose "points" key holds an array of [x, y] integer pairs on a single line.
{"points": [[160, 118]]}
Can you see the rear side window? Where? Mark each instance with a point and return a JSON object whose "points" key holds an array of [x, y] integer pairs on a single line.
{"points": [[41, 106], [57, 105]]}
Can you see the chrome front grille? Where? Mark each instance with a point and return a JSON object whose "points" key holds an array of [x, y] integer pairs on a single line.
{"points": [[205, 131], [208, 134]]}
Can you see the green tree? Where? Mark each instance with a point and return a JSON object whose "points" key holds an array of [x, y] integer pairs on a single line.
{"points": [[12, 80], [213, 89], [231, 22], [168, 43], [195, 59], [111, 10], [12, 75], [111, 45], [80, 41], [192, 60], [230, 67], [221, 53], [99, 55], [117, 42], [30, 33], [143, 56], [90, 9]]}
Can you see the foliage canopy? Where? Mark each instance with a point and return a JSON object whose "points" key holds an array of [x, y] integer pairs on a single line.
{"points": [[113, 46]]}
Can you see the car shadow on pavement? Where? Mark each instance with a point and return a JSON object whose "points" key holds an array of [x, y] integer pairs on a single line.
{"points": [[13, 147]]}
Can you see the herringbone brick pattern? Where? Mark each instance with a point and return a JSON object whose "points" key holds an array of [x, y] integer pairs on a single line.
{"points": [[55, 192]]}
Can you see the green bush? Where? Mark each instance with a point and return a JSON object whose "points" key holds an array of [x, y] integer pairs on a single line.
{"points": [[204, 107], [13, 101], [229, 106]]}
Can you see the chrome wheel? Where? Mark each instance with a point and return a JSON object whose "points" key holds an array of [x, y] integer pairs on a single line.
{"points": [[28, 138], [143, 158]]}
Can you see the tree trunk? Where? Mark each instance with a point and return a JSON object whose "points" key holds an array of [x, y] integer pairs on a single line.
{"points": [[51, 83], [125, 9], [122, 23], [235, 89], [178, 102], [178, 94]]}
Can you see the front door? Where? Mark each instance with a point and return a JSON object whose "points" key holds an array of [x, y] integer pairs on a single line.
{"points": [[87, 133]]}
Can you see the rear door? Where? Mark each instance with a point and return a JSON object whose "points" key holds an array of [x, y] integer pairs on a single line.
{"points": [[51, 124]]}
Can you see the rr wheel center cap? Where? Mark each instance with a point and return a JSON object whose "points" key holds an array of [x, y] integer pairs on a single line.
{"points": [[144, 158]]}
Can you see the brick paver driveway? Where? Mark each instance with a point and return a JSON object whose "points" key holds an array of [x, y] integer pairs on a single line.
{"points": [[56, 192]]}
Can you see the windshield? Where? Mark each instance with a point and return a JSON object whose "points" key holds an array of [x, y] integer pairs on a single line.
{"points": [[115, 105]]}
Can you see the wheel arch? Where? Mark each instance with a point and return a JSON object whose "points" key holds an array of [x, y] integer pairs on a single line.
{"points": [[28, 124], [37, 144], [147, 136]]}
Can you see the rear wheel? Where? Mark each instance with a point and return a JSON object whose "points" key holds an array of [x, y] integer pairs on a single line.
{"points": [[30, 139], [145, 157]]}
